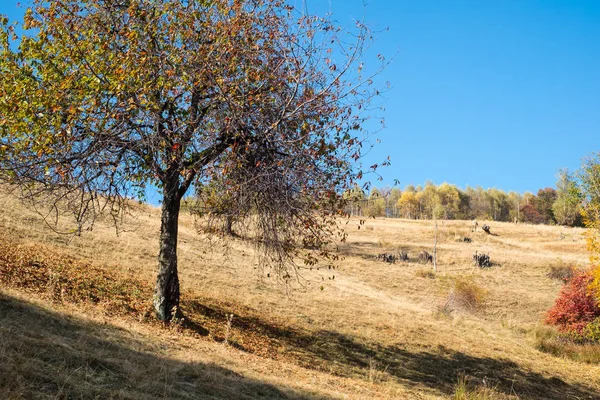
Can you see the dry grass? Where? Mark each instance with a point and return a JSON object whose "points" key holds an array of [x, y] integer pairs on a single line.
{"points": [[549, 340], [372, 332], [469, 388], [425, 273]]}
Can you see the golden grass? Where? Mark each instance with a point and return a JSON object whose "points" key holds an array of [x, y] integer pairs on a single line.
{"points": [[372, 332]]}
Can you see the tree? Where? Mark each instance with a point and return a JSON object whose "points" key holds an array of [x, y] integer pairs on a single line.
{"points": [[103, 98], [530, 214], [514, 200], [545, 199], [376, 204], [408, 204], [449, 196], [566, 208], [589, 178], [392, 202], [430, 201]]}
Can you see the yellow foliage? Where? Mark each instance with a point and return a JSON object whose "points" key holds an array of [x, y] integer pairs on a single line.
{"points": [[590, 211]]}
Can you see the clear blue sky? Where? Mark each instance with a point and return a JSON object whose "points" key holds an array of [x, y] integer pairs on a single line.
{"points": [[491, 93]]}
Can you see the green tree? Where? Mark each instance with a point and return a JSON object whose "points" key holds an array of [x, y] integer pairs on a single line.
{"points": [[449, 197], [545, 199], [376, 204], [392, 201], [566, 208], [515, 200], [102, 98], [429, 200]]}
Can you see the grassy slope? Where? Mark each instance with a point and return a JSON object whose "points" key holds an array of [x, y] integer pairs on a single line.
{"points": [[373, 331]]}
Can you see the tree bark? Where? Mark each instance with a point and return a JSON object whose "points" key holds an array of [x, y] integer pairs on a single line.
{"points": [[166, 293], [229, 225]]}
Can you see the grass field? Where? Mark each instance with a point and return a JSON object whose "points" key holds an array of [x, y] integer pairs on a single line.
{"points": [[75, 320]]}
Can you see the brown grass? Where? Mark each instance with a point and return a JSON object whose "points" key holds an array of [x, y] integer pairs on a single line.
{"points": [[550, 341], [78, 325]]}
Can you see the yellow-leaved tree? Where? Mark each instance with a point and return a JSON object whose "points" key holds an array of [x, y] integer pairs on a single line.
{"points": [[590, 210]]}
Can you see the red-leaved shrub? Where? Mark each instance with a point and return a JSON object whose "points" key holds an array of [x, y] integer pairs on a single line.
{"points": [[576, 306]]}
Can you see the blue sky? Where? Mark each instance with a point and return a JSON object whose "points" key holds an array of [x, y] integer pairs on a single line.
{"points": [[484, 93], [491, 93]]}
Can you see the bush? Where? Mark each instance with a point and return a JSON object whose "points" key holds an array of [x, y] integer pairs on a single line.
{"points": [[592, 331], [466, 295], [422, 273], [561, 272], [576, 306]]}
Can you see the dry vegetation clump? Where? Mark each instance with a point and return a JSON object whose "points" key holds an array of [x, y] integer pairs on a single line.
{"points": [[465, 295], [425, 273], [469, 388], [561, 272]]}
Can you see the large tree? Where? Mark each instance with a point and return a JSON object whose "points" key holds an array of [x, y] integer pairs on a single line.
{"points": [[101, 98]]}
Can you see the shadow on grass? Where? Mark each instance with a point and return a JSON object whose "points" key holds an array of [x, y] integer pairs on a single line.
{"points": [[47, 355], [436, 370]]}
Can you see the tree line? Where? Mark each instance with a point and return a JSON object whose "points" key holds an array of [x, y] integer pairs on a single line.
{"points": [[560, 205]]}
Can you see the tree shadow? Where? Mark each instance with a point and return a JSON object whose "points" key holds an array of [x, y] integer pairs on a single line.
{"points": [[436, 370], [48, 355]]}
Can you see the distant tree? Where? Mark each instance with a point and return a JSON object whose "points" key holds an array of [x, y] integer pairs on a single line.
{"points": [[392, 202], [566, 208], [429, 201], [408, 205], [102, 98], [544, 201], [355, 200], [478, 203], [449, 198], [410, 188], [498, 204], [376, 204], [464, 210], [515, 200], [530, 214]]}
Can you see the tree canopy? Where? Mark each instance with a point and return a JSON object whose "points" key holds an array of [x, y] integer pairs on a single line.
{"points": [[102, 98]]}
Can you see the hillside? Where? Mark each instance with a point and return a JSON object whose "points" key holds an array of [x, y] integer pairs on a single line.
{"points": [[75, 321]]}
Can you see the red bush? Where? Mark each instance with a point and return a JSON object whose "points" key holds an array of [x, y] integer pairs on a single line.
{"points": [[576, 305]]}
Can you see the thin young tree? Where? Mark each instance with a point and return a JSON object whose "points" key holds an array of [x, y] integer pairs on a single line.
{"points": [[100, 99]]}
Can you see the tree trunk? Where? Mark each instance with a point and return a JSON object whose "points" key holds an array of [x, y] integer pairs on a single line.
{"points": [[228, 228], [166, 293]]}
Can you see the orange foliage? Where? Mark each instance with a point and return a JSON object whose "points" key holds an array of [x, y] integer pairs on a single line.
{"points": [[576, 306]]}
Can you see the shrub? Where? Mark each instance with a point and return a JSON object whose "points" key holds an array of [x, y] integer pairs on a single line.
{"points": [[465, 295], [561, 272], [592, 331], [576, 306], [422, 273]]}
